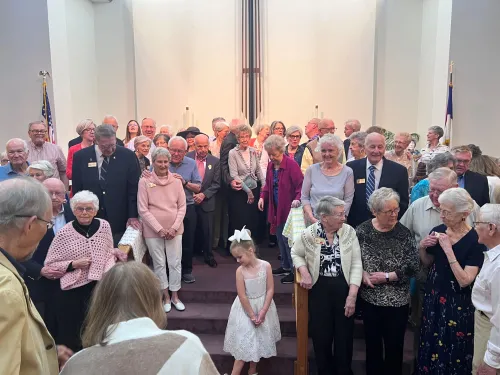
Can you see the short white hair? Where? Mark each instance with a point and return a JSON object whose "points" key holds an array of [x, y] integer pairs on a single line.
{"points": [[257, 128], [108, 117], [359, 137], [84, 196], [354, 124], [275, 142], [160, 151], [45, 166], [220, 125], [18, 140], [170, 128], [458, 198], [491, 213], [330, 139], [327, 204], [380, 197], [292, 129], [178, 138], [443, 173]]}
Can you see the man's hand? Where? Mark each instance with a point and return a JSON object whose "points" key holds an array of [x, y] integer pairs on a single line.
{"points": [[51, 274], [198, 198], [63, 354], [179, 177], [146, 174], [236, 185], [134, 223]]}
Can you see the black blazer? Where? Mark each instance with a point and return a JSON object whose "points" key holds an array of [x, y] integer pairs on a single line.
{"points": [[211, 181], [118, 194], [393, 176], [39, 286], [227, 145], [478, 188], [78, 139], [347, 143]]}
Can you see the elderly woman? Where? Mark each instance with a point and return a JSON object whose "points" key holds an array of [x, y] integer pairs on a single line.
{"points": [[142, 145], [221, 129], [41, 170], [133, 130], [443, 160], [357, 145], [82, 251], [85, 129], [400, 154], [244, 167], [262, 131], [161, 140], [126, 318], [167, 130], [328, 177], [433, 146], [327, 256], [454, 256], [4, 159], [294, 149], [282, 191], [161, 202], [278, 128], [390, 259]]}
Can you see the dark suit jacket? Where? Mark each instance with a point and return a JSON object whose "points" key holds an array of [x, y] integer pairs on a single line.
{"points": [[211, 181], [347, 143], [78, 139], [118, 194], [393, 176], [39, 286], [477, 186], [227, 145]]}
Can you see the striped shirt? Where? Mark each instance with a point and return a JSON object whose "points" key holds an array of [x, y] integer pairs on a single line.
{"points": [[49, 152]]}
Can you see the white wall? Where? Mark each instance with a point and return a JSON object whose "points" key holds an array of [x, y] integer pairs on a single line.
{"points": [[24, 51], [475, 50]]}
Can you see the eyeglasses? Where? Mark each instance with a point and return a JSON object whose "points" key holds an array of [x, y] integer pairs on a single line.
{"points": [[391, 212], [436, 192], [462, 161], [446, 213], [175, 151], [337, 214], [50, 224], [475, 223], [327, 130], [38, 131], [294, 136], [57, 194], [81, 210]]}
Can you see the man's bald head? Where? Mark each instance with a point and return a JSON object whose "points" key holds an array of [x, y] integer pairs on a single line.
{"points": [[111, 120], [54, 183], [325, 126], [201, 138], [201, 145], [374, 147]]}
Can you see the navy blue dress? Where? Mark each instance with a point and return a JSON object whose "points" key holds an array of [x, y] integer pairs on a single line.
{"points": [[447, 330]]}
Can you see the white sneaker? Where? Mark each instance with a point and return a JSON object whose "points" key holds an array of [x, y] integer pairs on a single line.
{"points": [[167, 307], [179, 306]]}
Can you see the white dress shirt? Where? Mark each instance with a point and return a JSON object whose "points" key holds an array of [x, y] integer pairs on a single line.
{"points": [[99, 157], [486, 298], [59, 220], [377, 172]]}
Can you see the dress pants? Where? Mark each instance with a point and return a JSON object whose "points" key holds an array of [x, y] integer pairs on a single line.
{"points": [[188, 239], [482, 330], [166, 251], [329, 325], [204, 231], [385, 329], [220, 220], [285, 251], [243, 214]]}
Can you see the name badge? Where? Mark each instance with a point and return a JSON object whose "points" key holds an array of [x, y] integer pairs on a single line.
{"points": [[360, 181], [92, 165]]}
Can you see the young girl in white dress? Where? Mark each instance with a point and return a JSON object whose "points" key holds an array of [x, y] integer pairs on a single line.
{"points": [[253, 327]]}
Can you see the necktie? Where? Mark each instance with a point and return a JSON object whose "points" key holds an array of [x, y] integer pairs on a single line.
{"points": [[104, 168], [201, 168], [370, 184]]}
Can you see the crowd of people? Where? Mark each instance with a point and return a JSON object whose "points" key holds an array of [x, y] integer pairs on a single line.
{"points": [[388, 235]]}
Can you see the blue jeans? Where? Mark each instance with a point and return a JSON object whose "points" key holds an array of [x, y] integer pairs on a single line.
{"points": [[285, 251]]}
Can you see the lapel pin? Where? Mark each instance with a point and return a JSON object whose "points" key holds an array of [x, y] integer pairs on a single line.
{"points": [[209, 167]]}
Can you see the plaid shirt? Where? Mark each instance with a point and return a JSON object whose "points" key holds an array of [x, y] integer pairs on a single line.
{"points": [[51, 153]]}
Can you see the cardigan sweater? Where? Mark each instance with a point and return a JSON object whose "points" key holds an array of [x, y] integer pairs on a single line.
{"points": [[69, 245], [306, 251], [138, 346], [161, 203]]}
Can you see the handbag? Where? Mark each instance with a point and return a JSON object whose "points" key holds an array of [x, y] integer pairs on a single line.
{"points": [[250, 182]]}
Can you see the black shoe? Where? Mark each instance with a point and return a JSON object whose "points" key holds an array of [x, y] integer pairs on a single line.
{"points": [[211, 262], [288, 279], [272, 244], [280, 272], [188, 278]]}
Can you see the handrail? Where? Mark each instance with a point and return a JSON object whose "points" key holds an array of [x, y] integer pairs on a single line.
{"points": [[300, 301], [127, 249]]}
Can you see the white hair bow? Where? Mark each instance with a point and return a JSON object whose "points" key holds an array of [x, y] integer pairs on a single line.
{"points": [[240, 235]]}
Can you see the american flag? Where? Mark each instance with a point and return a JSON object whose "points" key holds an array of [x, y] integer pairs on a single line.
{"points": [[449, 111], [47, 115]]}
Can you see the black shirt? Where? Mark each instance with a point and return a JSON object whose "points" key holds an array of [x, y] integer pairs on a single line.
{"points": [[19, 267]]}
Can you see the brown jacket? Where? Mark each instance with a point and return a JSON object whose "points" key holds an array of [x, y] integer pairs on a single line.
{"points": [[26, 347]]}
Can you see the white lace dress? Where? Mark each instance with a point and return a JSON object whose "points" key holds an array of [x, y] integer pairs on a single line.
{"points": [[243, 339]]}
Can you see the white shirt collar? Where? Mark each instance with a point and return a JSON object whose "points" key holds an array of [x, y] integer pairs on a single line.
{"points": [[493, 253], [133, 329], [378, 166], [98, 152]]}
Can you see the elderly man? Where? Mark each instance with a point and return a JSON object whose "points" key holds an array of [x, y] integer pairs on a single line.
{"points": [[486, 295], [148, 127], [475, 184], [312, 129], [26, 346], [350, 126], [357, 145], [108, 120], [17, 153], [167, 130], [204, 201], [186, 170], [420, 218], [214, 122], [112, 173], [39, 149], [400, 154], [374, 172]]}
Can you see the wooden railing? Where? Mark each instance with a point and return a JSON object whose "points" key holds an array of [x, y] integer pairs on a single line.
{"points": [[127, 250], [300, 301]]}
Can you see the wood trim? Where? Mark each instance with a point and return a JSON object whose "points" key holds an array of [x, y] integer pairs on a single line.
{"points": [[301, 303]]}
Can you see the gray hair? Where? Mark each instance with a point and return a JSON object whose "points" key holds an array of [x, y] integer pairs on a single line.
{"points": [[141, 139], [444, 174], [437, 129], [358, 137], [104, 131], [83, 125], [441, 160], [490, 213], [169, 127], [161, 151], [21, 198], [406, 135], [18, 140], [330, 139], [380, 197], [327, 204], [149, 118], [458, 198], [257, 128], [178, 138], [38, 122], [215, 120], [354, 124], [84, 196], [244, 129], [292, 129], [273, 125], [110, 116], [275, 141], [220, 125], [45, 166]]}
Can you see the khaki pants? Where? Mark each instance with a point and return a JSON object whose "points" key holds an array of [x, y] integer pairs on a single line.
{"points": [[165, 252], [482, 329]]}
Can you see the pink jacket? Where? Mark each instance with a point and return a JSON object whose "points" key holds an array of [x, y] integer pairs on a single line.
{"points": [[69, 245], [161, 203]]}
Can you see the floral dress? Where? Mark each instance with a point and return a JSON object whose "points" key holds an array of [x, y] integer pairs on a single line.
{"points": [[447, 330]]}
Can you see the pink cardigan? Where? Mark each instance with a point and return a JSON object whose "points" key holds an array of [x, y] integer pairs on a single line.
{"points": [[161, 203], [69, 245]]}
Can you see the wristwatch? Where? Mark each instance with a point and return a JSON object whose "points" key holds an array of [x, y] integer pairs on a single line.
{"points": [[185, 183], [387, 276]]}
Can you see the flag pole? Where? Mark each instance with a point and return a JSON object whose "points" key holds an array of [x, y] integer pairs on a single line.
{"points": [[449, 108], [46, 113]]}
